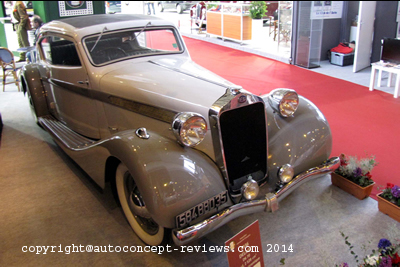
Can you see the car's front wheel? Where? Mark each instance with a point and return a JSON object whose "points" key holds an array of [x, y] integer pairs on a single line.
{"points": [[135, 209]]}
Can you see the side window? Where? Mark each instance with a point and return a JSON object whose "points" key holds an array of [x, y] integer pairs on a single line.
{"points": [[58, 51]]}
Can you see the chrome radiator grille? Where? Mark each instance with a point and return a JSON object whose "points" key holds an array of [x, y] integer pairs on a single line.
{"points": [[244, 143]]}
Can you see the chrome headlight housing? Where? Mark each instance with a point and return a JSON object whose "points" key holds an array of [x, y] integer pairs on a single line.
{"points": [[284, 101], [189, 128]]}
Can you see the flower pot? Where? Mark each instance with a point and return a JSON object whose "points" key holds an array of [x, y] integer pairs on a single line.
{"points": [[350, 187], [390, 209]]}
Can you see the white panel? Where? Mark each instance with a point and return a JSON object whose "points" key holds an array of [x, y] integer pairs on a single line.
{"points": [[365, 34]]}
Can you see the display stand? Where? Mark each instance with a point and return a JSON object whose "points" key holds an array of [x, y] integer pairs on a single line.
{"points": [[309, 37], [229, 21], [392, 69]]}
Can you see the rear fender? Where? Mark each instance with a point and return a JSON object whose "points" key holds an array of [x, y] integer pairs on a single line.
{"points": [[31, 84], [171, 178]]}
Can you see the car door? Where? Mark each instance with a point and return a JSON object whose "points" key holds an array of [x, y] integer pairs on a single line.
{"points": [[65, 80]]}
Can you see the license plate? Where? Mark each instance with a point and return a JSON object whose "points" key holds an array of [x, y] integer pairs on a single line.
{"points": [[203, 208]]}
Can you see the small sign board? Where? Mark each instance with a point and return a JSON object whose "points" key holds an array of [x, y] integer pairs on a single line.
{"points": [[75, 8], [245, 248]]}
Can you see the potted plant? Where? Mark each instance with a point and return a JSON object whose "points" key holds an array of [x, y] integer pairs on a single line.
{"points": [[258, 9], [354, 176], [385, 254], [389, 201]]}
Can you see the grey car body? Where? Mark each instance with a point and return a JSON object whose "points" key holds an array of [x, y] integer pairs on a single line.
{"points": [[179, 6], [186, 150]]}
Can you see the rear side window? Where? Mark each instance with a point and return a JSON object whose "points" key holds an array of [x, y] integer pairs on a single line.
{"points": [[58, 51]]}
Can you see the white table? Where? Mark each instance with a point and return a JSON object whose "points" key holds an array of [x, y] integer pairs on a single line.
{"points": [[381, 67]]}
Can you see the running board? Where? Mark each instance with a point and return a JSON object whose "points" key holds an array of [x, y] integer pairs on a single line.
{"points": [[70, 139]]}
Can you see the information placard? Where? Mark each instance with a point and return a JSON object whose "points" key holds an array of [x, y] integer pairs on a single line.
{"points": [[326, 9], [245, 248]]}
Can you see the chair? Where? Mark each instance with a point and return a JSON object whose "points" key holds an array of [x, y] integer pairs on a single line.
{"points": [[9, 67]]}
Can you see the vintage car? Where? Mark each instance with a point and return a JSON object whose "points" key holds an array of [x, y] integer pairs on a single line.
{"points": [[185, 150]]}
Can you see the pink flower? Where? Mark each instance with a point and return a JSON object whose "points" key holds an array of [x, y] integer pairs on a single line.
{"points": [[343, 161]]}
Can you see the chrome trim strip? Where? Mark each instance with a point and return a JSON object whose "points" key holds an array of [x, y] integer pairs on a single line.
{"points": [[70, 87], [160, 114], [157, 113], [270, 203]]}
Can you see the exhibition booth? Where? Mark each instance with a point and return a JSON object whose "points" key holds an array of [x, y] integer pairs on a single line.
{"points": [[133, 139]]}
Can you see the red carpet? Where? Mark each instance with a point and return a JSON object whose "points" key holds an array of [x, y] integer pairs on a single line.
{"points": [[362, 122]]}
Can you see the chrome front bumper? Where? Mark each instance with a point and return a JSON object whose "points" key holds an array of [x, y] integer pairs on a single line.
{"points": [[270, 203]]}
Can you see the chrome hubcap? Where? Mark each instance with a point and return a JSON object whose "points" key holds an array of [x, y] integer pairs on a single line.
{"points": [[138, 207]]}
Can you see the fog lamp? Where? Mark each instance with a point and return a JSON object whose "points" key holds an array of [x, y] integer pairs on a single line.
{"points": [[286, 173], [250, 189]]}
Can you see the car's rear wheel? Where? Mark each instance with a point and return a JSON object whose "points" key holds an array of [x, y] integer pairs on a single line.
{"points": [[135, 209]]}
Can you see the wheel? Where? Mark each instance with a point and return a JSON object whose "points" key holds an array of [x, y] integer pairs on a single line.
{"points": [[135, 210], [160, 8], [179, 9]]}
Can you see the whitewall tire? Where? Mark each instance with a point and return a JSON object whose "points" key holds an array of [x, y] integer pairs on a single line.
{"points": [[135, 210]]}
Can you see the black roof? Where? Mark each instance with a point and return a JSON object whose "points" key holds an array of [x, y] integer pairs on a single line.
{"points": [[91, 20]]}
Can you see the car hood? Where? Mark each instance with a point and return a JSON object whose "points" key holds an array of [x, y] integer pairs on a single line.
{"points": [[172, 83]]}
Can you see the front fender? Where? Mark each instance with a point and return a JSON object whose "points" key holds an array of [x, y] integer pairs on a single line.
{"points": [[303, 140], [171, 178], [31, 84]]}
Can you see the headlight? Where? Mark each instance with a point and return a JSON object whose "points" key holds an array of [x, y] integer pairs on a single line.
{"points": [[286, 173], [189, 128], [250, 189], [284, 101]]}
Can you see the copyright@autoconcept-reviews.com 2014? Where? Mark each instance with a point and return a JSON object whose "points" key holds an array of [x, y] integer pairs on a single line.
{"points": [[139, 249]]}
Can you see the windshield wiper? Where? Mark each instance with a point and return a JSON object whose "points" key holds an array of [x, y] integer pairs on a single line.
{"points": [[136, 36], [98, 39]]}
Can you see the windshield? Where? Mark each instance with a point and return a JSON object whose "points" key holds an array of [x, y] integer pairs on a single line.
{"points": [[126, 44]]}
